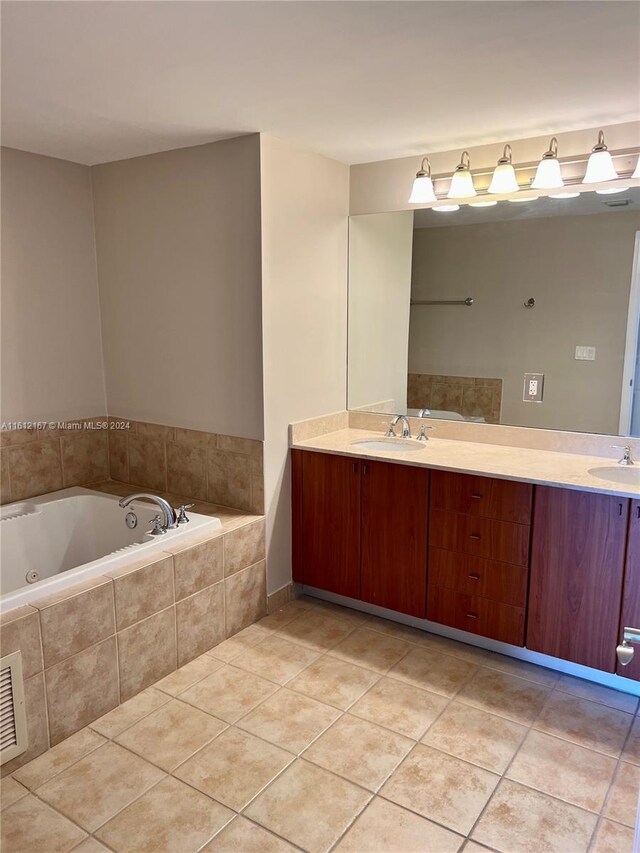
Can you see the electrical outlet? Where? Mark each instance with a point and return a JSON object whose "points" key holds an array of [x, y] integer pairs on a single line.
{"points": [[585, 353], [533, 386]]}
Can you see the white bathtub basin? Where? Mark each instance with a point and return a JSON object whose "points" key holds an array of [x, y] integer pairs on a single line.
{"points": [[74, 534]]}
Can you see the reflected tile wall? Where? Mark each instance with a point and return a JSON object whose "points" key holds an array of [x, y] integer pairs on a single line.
{"points": [[471, 396]]}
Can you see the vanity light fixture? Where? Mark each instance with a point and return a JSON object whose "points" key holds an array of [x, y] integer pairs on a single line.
{"points": [[446, 208], [482, 203], [636, 174], [461, 180], [548, 174], [600, 167], [422, 191], [504, 176]]}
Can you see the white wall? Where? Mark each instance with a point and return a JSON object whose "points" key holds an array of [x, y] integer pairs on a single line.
{"points": [[305, 202], [51, 349], [578, 269], [379, 293], [178, 237]]}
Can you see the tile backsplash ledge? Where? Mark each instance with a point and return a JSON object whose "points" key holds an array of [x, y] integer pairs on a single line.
{"points": [[201, 466], [588, 444]]}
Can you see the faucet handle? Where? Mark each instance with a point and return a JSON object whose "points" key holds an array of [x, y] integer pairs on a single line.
{"points": [[158, 527], [422, 436], [182, 513], [626, 450], [390, 433]]}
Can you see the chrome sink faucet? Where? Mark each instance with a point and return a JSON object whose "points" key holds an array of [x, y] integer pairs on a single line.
{"points": [[626, 451], [406, 427], [424, 413], [169, 518]]}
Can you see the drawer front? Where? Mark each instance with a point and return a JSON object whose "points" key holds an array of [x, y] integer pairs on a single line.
{"points": [[480, 537], [476, 615], [477, 576], [482, 496]]}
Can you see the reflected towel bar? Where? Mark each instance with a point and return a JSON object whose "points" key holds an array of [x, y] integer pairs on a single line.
{"points": [[467, 301]]}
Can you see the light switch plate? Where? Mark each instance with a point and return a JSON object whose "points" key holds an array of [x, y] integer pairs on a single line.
{"points": [[533, 386], [585, 353]]}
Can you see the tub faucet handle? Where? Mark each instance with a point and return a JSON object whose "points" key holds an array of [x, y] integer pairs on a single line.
{"points": [[158, 528], [182, 513]]}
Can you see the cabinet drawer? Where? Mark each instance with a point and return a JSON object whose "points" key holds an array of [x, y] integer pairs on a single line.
{"points": [[482, 496], [477, 576], [480, 537], [477, 615]]}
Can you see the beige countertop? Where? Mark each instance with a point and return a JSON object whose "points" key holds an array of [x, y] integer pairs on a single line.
{"points": [[543, 467]]}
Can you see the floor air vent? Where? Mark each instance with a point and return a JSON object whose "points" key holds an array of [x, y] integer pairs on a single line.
{"points": [[13, 720]]}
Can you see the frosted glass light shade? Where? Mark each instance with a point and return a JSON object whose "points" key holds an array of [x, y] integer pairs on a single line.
{"points": [[461, 185], [548, 175], [612, 191], [600, 168], [422, 191], [504, 179], [446, 208], [567, 194], [636, 174], [482, 203]]}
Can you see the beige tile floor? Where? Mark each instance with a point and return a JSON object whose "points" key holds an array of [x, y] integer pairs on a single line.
{"points": [[323, 729]]}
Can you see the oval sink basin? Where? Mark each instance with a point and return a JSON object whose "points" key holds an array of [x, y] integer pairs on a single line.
{"points": [[389, 445], [618, 474]]}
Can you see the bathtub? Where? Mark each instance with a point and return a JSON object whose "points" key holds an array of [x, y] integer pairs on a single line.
{"points": [[54, 541]]}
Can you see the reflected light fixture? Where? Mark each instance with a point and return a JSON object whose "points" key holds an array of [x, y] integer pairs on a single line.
{"points": [[446, 208], [600, 167], [504, 176], [423, 191], [566, 194], [482, 203], [636, 174], [461, 180], [548, 174]]}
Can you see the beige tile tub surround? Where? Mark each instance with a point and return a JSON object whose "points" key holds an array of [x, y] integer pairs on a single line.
{"points": [[91, 647], [37, 461], [203, 466], [470, 396], [198, 466], [220, 758]]}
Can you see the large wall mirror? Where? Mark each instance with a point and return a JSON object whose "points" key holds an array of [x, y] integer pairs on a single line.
{"points": [[524, 314]]}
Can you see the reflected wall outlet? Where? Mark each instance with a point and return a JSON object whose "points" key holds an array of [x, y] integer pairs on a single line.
{"points": [[586, 353], [533, 385]]}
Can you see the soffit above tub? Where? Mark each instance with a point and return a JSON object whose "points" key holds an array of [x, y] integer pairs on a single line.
{"points": [[357, 81]]}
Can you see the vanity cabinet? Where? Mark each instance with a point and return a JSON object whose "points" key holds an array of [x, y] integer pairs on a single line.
{"points": [[555, 569], [577, 568], [394, 537], [326, 522], [630, 615], [360, 529], [479, 531]]}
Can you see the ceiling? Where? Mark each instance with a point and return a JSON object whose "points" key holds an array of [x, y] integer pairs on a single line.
{"points": [[357, 81]]}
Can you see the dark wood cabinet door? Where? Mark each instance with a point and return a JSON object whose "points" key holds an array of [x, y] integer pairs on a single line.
{"points": [[326, 526], [394, 536], [630, 617], [577, 565]]}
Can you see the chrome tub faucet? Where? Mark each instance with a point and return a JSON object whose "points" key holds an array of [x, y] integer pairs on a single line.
{"points": [[168, 518]]}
